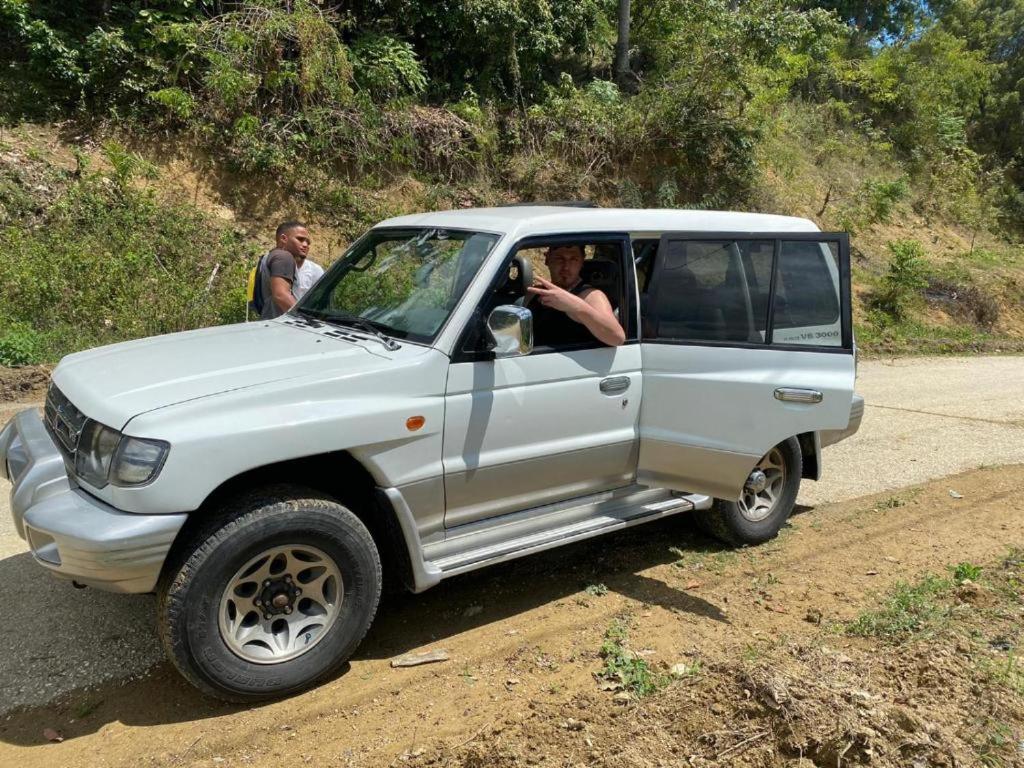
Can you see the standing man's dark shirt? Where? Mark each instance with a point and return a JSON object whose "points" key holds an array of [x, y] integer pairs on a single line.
{"points": [[278, 263]]}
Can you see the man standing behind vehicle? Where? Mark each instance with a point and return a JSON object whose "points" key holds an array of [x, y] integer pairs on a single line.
{"points": [[307, 272], [279, 268]]}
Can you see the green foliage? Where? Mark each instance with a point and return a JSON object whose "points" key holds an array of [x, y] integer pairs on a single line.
{"points": [[110, 261], [503, 49], [387, 68], [965, 571], [20, 345], [272, 85], [623, 667], [264, 59], [910, 609], [904, 280], [873, 203]]}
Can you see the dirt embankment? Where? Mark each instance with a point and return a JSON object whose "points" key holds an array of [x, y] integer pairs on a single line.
{"points": [[766, 672]]}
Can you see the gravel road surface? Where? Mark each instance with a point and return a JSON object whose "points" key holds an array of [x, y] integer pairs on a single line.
{"points": [[926, 418]]}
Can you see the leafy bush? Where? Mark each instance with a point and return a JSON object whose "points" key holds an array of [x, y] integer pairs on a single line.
{"points": [[387, 68], [903, 281], [20, 345]]}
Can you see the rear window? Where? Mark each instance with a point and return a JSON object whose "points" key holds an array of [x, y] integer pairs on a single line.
{"points": [[807, 295], [747, 291]]}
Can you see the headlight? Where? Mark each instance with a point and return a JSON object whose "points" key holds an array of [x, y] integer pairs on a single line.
{"points": [[105, 455], [138, 461], [95, 450]]}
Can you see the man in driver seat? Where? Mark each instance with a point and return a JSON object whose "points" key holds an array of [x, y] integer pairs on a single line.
{"points": [[568, 311]]}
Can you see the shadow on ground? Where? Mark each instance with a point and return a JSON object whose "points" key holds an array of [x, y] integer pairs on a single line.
{"points": [[404, 623]]}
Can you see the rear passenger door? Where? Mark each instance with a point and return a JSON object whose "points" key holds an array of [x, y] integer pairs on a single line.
{"points": [[746, 341]]}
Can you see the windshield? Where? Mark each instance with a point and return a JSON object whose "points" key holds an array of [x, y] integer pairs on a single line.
{"points": [[405, 282]]}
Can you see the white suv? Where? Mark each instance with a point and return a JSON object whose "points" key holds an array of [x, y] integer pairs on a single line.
{"points": [[257, 476]]}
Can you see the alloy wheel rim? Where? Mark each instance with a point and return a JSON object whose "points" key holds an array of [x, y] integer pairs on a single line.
{"points": [[757, 506], [280, 604]]}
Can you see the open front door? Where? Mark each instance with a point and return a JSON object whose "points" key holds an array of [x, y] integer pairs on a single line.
{"points": [[746, 341]]}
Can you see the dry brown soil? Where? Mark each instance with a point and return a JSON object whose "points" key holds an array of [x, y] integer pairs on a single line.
{"points": [[23, 384], [773, 679]]}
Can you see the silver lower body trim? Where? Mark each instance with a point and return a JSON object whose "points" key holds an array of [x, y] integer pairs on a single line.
{"points": [[516, 535]]}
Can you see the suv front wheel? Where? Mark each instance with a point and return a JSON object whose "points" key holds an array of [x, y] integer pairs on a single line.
{"points": [[272, 598], [766, 502]]}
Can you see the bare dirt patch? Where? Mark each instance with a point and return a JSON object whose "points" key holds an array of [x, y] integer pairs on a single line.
{"points": [[769, 675], [27, 383]]}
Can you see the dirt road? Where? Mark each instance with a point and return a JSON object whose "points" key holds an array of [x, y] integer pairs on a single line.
{"points": [[523, 637]]}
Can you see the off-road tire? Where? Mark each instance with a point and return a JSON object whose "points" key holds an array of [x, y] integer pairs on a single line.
{"points": [[191, 588], [725, 519]]}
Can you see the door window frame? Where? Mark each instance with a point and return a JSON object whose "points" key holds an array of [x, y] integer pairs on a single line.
{"points": [[629, 311], [777, 238]]}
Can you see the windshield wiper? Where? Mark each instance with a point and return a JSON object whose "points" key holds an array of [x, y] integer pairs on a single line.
{"points": [[347, 318]]}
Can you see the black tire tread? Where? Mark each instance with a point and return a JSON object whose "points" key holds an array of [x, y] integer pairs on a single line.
{"points": [[205, 538]]}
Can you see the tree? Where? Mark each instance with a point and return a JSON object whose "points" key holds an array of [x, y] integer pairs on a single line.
{"points": [[623, 75]]}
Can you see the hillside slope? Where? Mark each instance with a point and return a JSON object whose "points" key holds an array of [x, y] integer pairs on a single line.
{"points": [[155, 238]]}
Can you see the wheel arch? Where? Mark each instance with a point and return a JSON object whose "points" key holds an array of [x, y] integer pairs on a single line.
{"points": [[810, 450], [338, 475]]}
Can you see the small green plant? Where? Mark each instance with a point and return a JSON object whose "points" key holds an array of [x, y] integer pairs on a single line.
{"points": [[20, 345], [910, 609], [965, 571], [906, 277], [596, 590], [995, 741], [624, 667], [891, 502], [881, 197]]}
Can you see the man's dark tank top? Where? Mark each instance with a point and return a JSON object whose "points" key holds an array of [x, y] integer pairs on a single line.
{"points": [[554, 328]]}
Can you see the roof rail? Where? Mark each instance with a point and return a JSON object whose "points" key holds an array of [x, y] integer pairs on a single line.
{"points": [[553, 203]]}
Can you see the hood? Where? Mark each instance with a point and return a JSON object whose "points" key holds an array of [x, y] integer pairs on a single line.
{"points": [[113, 384]]}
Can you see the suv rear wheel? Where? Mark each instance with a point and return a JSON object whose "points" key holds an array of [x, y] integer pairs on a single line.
{"points": [[271, 599], [766, 502]]}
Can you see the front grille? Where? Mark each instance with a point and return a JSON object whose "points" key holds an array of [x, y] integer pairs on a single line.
{"points": [[63, 420]]}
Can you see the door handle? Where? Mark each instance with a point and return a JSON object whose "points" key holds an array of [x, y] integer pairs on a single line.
{"points": [[614, 385], [794, 395]]}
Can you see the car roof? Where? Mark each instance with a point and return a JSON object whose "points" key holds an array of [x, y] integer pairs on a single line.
{"points": [[526, 220]]}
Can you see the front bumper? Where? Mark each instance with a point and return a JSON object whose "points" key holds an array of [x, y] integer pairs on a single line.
{"points": [[831, 436], [69, 532]]}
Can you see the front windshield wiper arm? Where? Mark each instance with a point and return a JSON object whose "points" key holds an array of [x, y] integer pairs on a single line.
{"points": [[346, 318]]}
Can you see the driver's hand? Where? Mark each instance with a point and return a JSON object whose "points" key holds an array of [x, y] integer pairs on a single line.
{"points": [[550, 295]]}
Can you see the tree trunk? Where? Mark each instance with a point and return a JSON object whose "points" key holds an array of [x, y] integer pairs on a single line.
{"points": [[622, 71]]}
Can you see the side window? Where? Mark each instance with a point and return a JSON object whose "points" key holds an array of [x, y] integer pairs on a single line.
{"points": [[712, 290], [807, 305], [581, 265], [600, 269]]}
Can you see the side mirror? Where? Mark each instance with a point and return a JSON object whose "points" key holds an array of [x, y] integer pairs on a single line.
{"points": [[511, 330]]}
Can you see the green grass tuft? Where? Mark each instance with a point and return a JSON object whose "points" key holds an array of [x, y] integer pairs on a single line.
{"points": [[909, 610]]}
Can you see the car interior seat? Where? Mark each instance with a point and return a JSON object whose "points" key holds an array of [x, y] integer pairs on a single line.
{"points": [[604, 274]]}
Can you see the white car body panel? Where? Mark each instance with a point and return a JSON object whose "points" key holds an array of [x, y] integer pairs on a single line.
{"points": [[526, 431], [112, 384], [710, 413]]}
